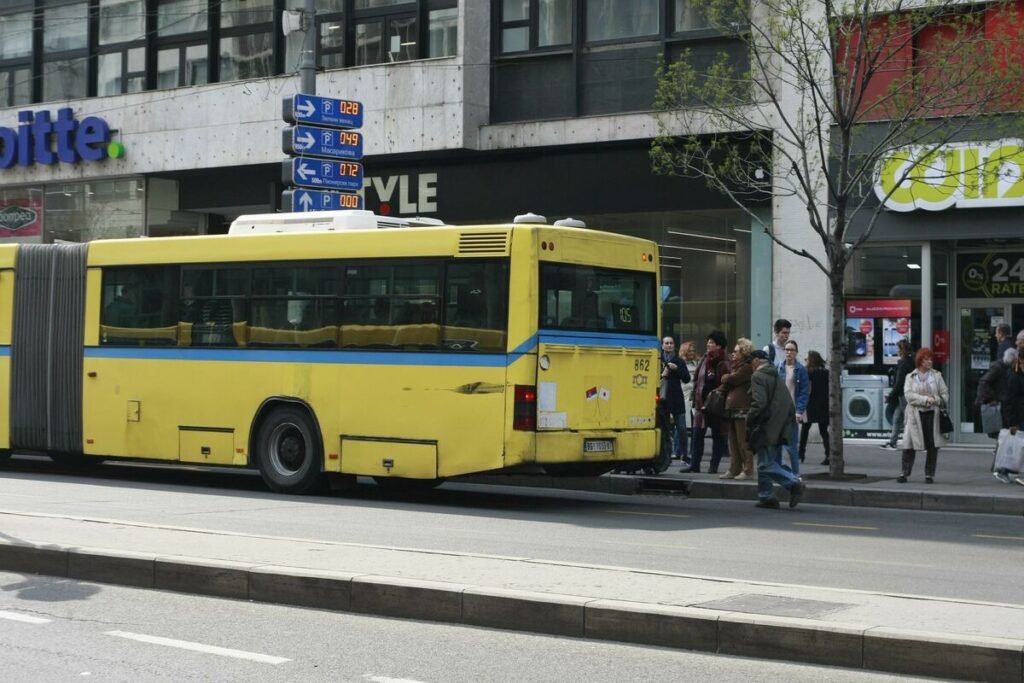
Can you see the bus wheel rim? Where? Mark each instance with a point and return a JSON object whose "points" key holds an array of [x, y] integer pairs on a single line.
{"points": [[288, 451]]}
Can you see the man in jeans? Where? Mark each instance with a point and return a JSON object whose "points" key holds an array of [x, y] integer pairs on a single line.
{"points": [[769, 424], [672, 404]]}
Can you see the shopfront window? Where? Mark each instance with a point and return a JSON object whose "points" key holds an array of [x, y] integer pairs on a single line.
{"points": [[101, 209], [21, 214]]}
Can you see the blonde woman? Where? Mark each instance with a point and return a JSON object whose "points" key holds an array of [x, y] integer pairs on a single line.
{"points": [[736, 387]]}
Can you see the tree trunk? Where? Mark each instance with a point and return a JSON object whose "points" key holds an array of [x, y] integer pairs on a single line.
{"points": [[836, 360]]}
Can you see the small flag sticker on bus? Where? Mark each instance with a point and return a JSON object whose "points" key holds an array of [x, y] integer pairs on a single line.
{"points": [[591, 393]]}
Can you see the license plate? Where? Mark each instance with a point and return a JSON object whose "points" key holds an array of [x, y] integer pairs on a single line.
{"points": [[597, 445]]}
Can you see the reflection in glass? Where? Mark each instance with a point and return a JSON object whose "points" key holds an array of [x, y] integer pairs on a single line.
{"points": [[244, 12], [402, 39], [369, 49], [554, 22], [181, 16], [17, 32], [515, 39], [618, 19], [515, 10], [64, 79], [690, 15], [248, 56], [104, 209], [65, 28], [122, 21], [109, 78], [443, 29]]}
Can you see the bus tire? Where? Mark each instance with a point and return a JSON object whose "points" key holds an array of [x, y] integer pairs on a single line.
{"points": [[288, 451], [405, 485], [5, 454]]}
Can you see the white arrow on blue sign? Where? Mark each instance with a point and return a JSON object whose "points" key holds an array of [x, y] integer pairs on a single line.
{"points": [[322, 174], [323, 111], [301, 201], [322, 142]]}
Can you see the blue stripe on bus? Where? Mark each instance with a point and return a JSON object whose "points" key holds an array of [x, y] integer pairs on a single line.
{"points": [[599, 339], [5, 350], [298, 356]]}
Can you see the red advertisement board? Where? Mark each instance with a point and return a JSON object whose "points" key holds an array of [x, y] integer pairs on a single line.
{"points": [[878, 308], [21, 216]]}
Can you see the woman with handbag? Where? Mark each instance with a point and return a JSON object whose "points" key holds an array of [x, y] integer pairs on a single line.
{"points": [[1012, 408], [735, 386], [926, 395], [709, 373]]}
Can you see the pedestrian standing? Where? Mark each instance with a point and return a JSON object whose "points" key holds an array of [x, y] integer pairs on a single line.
{"points": [[896, 401], [672, 403], [736, 386], [1011, 405], [709, 374], [817, 404], [777, 349], [1004, 340], [688, 352], [769, 423], [926, 395], [797, 382]]}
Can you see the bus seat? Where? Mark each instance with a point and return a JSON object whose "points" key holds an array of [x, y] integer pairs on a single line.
{"points": [[184, 331]]}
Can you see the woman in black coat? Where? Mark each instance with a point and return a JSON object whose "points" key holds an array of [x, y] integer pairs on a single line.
{"points": [[817, 405]]}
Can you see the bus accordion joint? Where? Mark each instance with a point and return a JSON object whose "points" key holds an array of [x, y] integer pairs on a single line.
{"points": [[524, 413]]}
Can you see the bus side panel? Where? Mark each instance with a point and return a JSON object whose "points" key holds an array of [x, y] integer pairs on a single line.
{"points": [[6, 322], [459, 407], [523, 310]]}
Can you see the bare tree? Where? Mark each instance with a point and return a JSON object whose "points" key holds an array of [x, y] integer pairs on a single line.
{"points": [[827, 98]]}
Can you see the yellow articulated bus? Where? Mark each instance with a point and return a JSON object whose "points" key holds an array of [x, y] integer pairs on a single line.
{"points": [[341, 343]]}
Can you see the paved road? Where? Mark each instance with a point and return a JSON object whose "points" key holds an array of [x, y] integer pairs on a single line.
{"points": [[59, 630], [869, 549]]}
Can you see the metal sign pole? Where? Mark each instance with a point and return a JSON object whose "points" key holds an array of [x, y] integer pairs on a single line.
{"points": [[308, 67]]}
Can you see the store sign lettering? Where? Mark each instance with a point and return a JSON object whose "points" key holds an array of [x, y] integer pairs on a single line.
{"points": [[16, 217], [991, 275], [966, 175], [387, 187], [40, 139]]}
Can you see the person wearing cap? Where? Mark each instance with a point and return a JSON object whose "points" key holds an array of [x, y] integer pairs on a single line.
{"points": [[769, 425]]}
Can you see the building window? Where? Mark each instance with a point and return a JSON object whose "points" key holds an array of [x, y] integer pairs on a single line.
{"points": [[245, 12], [246, 56], [621, 19], [691, 15], [65, 61], [17, 32], [122, 72], [331, 48], [385, 31], [180, 66], [15, 87], [175, 17], [122, 21]]}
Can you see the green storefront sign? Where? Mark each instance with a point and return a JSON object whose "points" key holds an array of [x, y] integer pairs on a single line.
{"points": [[990, 276]]}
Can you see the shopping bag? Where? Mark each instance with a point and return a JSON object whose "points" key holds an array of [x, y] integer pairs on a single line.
{"points": [[991, 418], [714, 405], [1010, 451]]}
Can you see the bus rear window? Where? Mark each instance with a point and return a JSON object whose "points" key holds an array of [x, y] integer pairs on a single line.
{"points": [[596, 299]]}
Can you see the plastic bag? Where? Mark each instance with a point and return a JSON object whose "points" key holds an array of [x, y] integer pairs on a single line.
{"points": [[991, 418], [1010, 451]]}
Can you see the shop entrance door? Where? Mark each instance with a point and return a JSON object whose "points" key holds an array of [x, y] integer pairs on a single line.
{"points": [[977, 344]]}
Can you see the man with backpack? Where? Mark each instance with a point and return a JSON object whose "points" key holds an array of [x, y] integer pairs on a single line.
{"points": [[777, 349]]}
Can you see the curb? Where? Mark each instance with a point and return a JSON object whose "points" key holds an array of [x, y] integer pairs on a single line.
{"points": [[816, 494], [850, 646]]}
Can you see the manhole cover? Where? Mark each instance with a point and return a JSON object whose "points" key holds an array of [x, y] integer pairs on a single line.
{"points": [[775, 605]]}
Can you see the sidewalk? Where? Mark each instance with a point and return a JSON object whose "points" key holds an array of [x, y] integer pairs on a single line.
{"points": [[963, 482], [903, 634]]}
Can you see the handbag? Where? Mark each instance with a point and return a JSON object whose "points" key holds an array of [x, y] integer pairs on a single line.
{"points": [[991, 418], [714, 405], [945, 423]]}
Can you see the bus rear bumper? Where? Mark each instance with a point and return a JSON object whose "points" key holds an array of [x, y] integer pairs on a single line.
{"points": [[565, 447]]}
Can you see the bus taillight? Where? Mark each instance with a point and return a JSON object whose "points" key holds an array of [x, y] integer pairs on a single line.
{"points": [[524, 415]]}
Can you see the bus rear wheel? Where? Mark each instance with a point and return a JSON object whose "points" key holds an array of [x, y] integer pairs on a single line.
{"points": [[288, 451]]}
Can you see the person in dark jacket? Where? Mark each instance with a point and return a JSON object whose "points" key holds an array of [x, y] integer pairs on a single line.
{"points": [[1004, 340], [817, 405], [672, 404], [712, 367], [896, 402], [1011, 405], [769, 424], [992, 385]]}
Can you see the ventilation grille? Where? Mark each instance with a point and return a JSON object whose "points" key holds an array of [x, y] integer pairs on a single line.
{"points": [[495, 243]]}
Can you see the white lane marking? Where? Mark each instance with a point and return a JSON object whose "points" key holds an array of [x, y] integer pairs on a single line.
{"points": [[837, 526], [645, 514], [385, 679], [199, 647], [14, 616]]}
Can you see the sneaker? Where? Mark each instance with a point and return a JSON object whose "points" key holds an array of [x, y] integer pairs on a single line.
{"points": [[902, 479], [727, 475], [1019, 480], [741, 476], [1002, 476], [887, 446], [826, 462], [929, 480], [796, 494], [768, 503]]}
